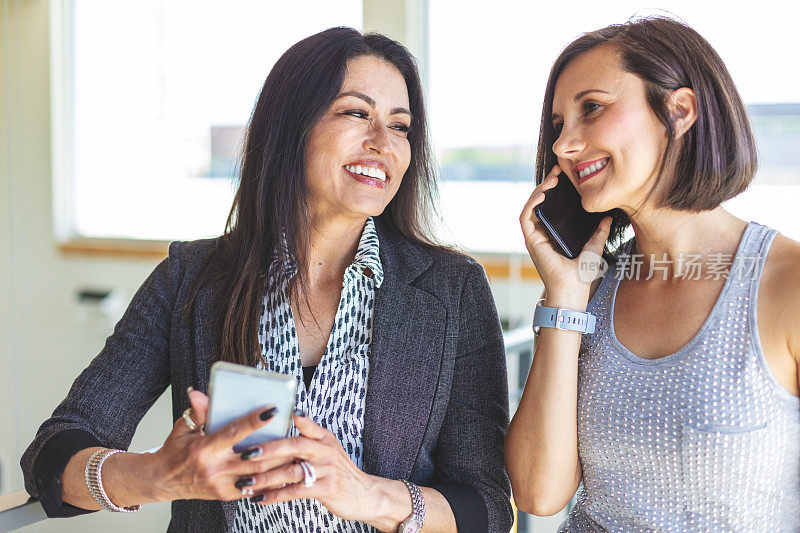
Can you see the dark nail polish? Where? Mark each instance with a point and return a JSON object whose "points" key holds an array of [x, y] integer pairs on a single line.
{"points": [[269, 413], [257, 498], [249, 454], [244, 482], [299, 412]]}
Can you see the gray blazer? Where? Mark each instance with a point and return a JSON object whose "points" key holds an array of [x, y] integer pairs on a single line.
{"points": [[437, 398]]}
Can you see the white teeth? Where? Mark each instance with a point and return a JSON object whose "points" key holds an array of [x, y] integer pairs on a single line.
{"points": [[594, 167], [372, 172]]}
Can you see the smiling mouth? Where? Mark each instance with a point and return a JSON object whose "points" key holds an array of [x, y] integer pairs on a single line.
{"points": [[592, 170], [367, 175], [370, 172]]}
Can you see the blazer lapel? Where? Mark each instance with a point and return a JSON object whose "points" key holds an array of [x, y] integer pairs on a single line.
{"points": [[405, 358]]}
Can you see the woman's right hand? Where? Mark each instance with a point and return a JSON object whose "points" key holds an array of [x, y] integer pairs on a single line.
{"points": [[193, 465], [558, 272]]}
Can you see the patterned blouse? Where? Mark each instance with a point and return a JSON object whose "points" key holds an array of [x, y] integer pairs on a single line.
{"points": [[335, 399]]}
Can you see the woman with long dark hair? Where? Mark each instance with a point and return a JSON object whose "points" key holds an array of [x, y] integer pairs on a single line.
{"points": [[327, 271], [678, 409]]}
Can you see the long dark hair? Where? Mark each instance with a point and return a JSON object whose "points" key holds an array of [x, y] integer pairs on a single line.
{"points": [[715, 159], [268, 226]]}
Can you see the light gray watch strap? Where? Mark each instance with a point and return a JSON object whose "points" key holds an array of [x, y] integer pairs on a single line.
{"points": [[564, 319]]}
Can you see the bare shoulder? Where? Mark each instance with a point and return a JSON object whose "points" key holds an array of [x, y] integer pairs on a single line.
{"points": [[779, 292]]}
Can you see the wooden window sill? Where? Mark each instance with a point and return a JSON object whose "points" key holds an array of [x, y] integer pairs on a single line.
{"points": [[499, 267], [115, 248]]}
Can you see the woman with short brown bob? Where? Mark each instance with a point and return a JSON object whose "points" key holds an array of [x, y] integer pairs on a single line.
{"points": [[680, 411]]}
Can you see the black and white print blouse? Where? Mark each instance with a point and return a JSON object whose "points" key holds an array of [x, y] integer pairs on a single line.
{"points": [[335, 399]]}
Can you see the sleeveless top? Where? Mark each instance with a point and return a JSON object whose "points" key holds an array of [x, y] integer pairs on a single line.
{"points": [[335, 397], [704, 439]]}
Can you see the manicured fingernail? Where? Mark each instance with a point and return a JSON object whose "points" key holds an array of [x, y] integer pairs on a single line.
{"points": [[299, 412], [269, 413], [244, 482], [189, 390], [257, 498], [249, 454]]}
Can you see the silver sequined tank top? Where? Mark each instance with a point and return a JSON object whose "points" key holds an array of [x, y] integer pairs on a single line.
{"points": [[704, 439]]}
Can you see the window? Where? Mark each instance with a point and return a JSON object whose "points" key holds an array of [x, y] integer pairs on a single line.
{"points": [[157, 95]]}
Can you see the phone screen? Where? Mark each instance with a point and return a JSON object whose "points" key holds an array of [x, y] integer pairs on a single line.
{"points": [[570, 226], [236, 390]]}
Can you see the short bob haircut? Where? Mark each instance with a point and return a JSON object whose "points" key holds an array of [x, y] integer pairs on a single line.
{"points": [[716, 158]]}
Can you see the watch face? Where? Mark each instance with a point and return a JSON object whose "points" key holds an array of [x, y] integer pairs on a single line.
{"points": [[412, 525]]}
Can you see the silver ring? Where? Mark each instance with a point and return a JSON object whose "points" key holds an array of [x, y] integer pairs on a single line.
{"points": [[188, 419], [309, 473], [247, 491]]}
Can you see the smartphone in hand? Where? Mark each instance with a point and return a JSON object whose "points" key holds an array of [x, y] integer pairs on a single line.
{"points": [[569, 225], [235, 390]]}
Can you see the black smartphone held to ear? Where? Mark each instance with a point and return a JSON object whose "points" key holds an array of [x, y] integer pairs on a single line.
{"points": [[570, 226]]}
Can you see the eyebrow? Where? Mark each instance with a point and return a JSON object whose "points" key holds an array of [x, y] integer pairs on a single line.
{"points": [[371, 102], [584, 93], [578, 97]]}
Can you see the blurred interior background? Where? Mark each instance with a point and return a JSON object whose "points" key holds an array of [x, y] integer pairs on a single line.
{"points": [[120, 123]]}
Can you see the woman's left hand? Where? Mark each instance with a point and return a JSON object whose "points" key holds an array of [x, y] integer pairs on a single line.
{"points": [[341, 486]]}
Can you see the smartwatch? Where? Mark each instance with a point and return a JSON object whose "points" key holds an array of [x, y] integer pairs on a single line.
{"points": [[563, 319]]}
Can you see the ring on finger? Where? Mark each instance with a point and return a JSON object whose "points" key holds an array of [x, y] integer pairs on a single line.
{"points": [[309, 473], [247, 491], [187, 417]]}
